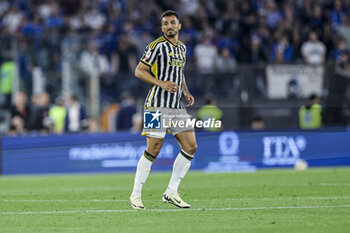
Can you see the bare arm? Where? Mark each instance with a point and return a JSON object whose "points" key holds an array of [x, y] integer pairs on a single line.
{"points": [[142, 73], [188, 96]]}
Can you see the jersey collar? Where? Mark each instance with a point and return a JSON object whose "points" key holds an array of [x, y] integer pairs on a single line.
{"points": [[175, 45]]}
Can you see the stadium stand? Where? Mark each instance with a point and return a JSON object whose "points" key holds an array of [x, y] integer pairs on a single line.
{"points": [[54, 44]]}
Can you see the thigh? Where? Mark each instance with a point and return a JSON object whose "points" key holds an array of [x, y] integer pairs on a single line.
{"points": [[154, 145], [181, 116]]}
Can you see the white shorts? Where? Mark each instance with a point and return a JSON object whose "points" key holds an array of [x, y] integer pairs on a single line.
{"points": [[158, 121]]}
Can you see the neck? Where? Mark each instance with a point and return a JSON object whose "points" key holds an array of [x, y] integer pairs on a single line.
{"points": [[20, 106], [173, 40]]}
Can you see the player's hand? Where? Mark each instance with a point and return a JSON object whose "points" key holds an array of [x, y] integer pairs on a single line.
{"points": [[172, 87], [190, 100]]}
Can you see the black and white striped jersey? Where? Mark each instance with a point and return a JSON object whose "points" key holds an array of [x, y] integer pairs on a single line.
{"points": [[167, 62]]}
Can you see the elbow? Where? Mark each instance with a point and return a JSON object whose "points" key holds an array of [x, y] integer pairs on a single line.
{"points": [[141, 71], [137, 73]]}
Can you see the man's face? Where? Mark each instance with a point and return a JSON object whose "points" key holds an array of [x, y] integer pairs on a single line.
{"points": [[315, 101], [170, 25], [313, 36]]}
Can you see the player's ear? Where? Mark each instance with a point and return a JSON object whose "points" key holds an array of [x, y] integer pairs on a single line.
{"points": [[180, 26]]}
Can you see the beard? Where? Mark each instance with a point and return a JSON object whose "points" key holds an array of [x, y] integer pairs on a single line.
{"points": [[171, 33]]}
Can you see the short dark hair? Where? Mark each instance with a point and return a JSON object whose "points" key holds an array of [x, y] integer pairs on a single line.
{"points": [[74, 97], [313, 97], [169, 13], [257, 119]]}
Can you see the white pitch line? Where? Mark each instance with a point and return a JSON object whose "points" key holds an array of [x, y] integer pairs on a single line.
{"points": [[285, 198], [335, 184], [7, 200], [174, 210], [98, 189], [214, 199]]}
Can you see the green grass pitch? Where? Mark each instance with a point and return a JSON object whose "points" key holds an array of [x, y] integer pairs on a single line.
{"points": [[316, 200]]}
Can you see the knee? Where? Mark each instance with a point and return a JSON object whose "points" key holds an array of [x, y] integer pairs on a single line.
{"points": [[154, 150], [191, 149]]}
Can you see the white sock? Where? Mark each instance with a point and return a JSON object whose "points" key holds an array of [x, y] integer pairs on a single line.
{"points": [[180, 168], [142, 172]]}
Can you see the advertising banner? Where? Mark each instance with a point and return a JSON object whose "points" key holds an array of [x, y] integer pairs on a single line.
{"points": [[217, 152], [284, 81]]}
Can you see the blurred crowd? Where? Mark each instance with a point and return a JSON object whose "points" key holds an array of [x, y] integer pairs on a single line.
{"points": [[110, 35], [38, 116], [309, 31]]}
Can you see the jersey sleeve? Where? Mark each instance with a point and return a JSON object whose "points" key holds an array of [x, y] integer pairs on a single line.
{"points": [[183, 50], [150, 55]]}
